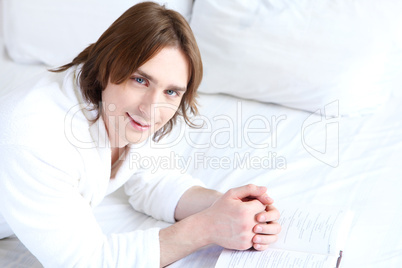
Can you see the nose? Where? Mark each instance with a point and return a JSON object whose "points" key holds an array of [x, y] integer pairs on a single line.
{"points": [[148, 105]]}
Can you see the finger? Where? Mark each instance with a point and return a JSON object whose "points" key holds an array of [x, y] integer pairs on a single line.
{"points": [[264, 240], [255, 206], [260, 247], [265, 199], [271, 207], [272, 228], [249, 190], [267, 216]]}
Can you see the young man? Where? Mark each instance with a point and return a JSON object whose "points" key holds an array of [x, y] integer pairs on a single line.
{"points": [[66, 139]]}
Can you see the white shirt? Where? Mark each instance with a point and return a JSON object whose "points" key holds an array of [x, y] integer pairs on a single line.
{"points": [[55, 166]]}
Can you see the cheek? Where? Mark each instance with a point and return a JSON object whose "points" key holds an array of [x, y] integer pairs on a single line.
{"points": [[167, 114]]}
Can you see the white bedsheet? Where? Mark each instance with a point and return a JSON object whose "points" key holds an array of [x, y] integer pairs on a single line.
{"points": [[361, 168]]}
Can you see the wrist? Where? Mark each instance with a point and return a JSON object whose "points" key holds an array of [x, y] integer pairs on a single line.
{"points": [[195, 200], [200, 227], [183, 238]]}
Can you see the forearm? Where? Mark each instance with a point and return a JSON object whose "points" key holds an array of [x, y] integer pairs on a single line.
{"points": [[189, 234], [194, 200], [183, 238]]}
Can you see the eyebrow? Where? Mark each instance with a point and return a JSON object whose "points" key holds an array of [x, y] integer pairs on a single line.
{"points": [[153, 80]]}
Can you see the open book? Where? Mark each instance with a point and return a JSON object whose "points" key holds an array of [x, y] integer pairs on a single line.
{"points": [[310, 237]]}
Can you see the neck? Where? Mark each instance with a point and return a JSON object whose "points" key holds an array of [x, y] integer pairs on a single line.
{"points": [[117, 146], [116, 153]]}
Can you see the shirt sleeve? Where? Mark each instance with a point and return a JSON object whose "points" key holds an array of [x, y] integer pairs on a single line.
{"points": [[41, 203], [156, 193]]}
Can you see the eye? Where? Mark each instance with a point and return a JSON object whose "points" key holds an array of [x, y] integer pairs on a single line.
{"points": [[171, 92], [140, 80]]}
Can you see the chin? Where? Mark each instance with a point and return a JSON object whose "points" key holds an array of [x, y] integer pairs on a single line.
{"points": [[135, 139]]}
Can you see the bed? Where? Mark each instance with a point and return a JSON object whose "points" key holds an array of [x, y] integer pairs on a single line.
{"points": [[301, 97]]}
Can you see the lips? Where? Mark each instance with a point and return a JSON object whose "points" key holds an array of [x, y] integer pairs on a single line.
{"points": [[138, 123]]}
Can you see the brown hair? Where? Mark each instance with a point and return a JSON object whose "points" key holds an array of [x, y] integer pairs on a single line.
{"points": [[134, 38]]}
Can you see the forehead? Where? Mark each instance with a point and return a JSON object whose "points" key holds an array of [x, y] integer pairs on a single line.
{"points": [[169, 65]]}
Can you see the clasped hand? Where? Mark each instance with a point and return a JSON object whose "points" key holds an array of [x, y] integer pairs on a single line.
{"points": [[243, 218]]}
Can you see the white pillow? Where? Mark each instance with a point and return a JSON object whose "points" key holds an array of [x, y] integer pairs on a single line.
{"points": [[301, 54], [54, 32], [1, 19]]}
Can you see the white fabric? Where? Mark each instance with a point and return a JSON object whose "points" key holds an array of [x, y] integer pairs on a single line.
{"points": [[302, 54], [51, 178], [366, 178], [54, 32], [303, 159]]}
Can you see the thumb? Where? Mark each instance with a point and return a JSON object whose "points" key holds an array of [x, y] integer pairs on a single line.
{"points": [[249, 190]]}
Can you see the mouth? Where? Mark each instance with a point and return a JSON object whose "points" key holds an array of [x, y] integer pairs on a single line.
{"points": [[138, 123]]}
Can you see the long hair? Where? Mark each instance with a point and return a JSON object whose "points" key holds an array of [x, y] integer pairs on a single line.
{"points": [[134, 38]]}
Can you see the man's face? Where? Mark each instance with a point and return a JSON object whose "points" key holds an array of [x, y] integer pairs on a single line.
{"points": [[144, 103]]}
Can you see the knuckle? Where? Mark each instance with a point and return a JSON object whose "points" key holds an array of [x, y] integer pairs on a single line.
{"points": [[245, 227], [245, 245], [245, 240], [250, 186], [273, 215], [275, 228], [230, 192], [257, 205], [260, 247]]}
